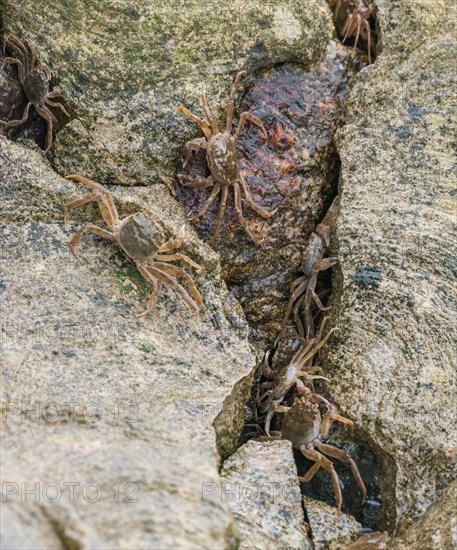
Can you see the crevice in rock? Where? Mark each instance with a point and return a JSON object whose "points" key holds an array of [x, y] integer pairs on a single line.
{"points": [[356, 24], [373, 462], [14, 101]]}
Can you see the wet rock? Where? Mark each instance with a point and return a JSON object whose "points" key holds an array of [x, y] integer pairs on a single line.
{"points": [[392, 362], [125, 77], [321, 487], [436, 529], [260, 484], [13, 101], [12, 97], [294, 171], [330, 531], [119, 406]]}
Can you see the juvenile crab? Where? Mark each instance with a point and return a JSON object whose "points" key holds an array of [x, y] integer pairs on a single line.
{"points": [[303, 290], [352, 19], [142, 240], [35, 83], [304, 426], [300, 367], [223, 162]]}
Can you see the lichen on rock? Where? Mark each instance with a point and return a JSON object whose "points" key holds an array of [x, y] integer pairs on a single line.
{"points": [[392, 362], [124, 79]]}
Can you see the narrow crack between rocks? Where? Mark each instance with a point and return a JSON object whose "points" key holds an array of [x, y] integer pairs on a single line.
{"points": [[292, 100]]}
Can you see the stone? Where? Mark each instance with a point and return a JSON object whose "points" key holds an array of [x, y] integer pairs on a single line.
{"points": [[330, 531], [119, 406], [436, 529], [260, 483], [392, 361], [295, 171], [124, 79]]}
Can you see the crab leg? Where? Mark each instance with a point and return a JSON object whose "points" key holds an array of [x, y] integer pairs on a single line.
{"points": [[56, 92], [58, 105], [315, 349], [76, 203], [334, 452], [296, 315], [18, 47], [295, 293], [327, 421], [33, 54], [325, 463], [239, 211], [255, 120], [25, 115], [261, 211], [263, 438], [45, 113], [178, 272], [212, 197], [230, 104], [220, 217], [105, 201], [20, 66], [367, 26], [202, 183], [154, 294], [178, 256], [74, 242], [357, 36], [153, 297], [208, 114], [171, 281], [204, 127]]}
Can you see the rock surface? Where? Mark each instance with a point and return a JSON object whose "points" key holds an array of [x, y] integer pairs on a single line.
{"points": [[94, 395], [328, 530], [125, 67], [294, 172], [261, 486], [142, 413], [435, 530], [392, 362]]}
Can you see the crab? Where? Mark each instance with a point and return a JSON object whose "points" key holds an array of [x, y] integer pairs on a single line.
{"points": [[300, 367], [303, 290], [305, 427], [143, 241], [223, 162], [35, 79], [352, 20]]}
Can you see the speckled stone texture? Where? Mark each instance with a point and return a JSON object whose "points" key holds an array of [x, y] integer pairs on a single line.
{"points": [[261, 486], [126, 404], [392, 362], [435, 530], [124, 67], [329, 531]]}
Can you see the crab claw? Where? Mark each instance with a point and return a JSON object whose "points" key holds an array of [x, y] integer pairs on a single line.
{"points": [[340, 418]]}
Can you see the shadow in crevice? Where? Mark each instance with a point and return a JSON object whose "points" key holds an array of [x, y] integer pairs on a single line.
{"points": [[13, 102]]}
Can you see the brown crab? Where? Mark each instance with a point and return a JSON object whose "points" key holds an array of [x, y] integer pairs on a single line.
{"points": [[303, 290], [352, 19], [34, 79], [300, 367], [223, 162], [143, 241], [304, 426]]}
